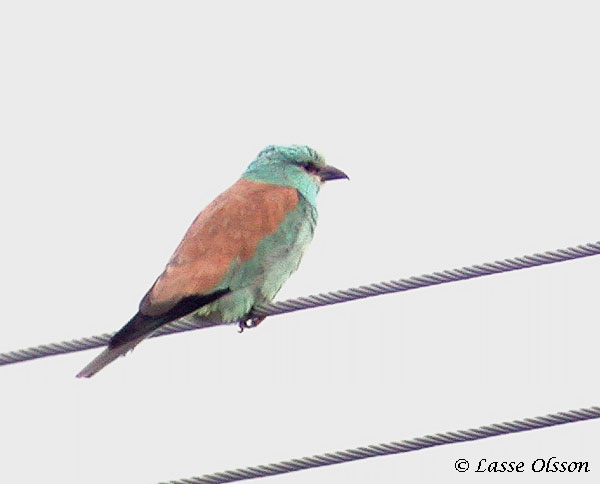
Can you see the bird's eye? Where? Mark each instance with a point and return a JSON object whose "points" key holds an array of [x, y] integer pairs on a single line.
{"points": [[309, 168]]}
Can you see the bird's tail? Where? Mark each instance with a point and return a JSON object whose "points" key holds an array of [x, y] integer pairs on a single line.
{"points": [[135, 331], [141, 326], [104, 358]]}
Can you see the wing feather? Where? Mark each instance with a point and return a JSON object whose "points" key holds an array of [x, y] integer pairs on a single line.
{"points": [[227, 230]]}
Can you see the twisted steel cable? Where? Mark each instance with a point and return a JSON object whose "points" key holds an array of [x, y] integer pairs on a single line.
{"points": [[189, 322], [394, 447], [425, 280]]}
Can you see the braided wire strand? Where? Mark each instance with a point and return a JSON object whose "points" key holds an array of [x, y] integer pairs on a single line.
{"points": [[189, 322], [394, 447]]}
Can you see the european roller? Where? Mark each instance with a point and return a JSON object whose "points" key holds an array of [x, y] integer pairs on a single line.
{"points": [[239, 250]]}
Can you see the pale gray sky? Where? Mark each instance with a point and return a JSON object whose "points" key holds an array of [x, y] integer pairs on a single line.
{"points": [[470, 132]]}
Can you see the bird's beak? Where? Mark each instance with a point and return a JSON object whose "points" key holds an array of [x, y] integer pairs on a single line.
{"points": [[331, 173]]}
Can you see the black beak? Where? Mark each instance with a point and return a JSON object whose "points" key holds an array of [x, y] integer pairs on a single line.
{"points": [[331, 173]]}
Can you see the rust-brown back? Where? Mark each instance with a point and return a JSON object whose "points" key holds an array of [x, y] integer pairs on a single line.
{"points": [[228, 229]]}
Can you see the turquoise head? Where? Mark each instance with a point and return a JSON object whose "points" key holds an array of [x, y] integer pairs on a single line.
{"points": [[295, 166]]}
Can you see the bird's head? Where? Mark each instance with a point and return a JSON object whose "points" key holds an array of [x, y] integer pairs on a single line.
{"points": [[293, 166]]}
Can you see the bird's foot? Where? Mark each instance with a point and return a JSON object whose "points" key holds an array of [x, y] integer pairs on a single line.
{"points": [[249, 323]]}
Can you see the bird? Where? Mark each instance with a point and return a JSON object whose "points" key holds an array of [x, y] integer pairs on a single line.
{"points": [[238, 251]]}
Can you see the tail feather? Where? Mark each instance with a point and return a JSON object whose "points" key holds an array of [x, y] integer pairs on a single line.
{"points": [[107, 356], [136, 330], [141, 326]]}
